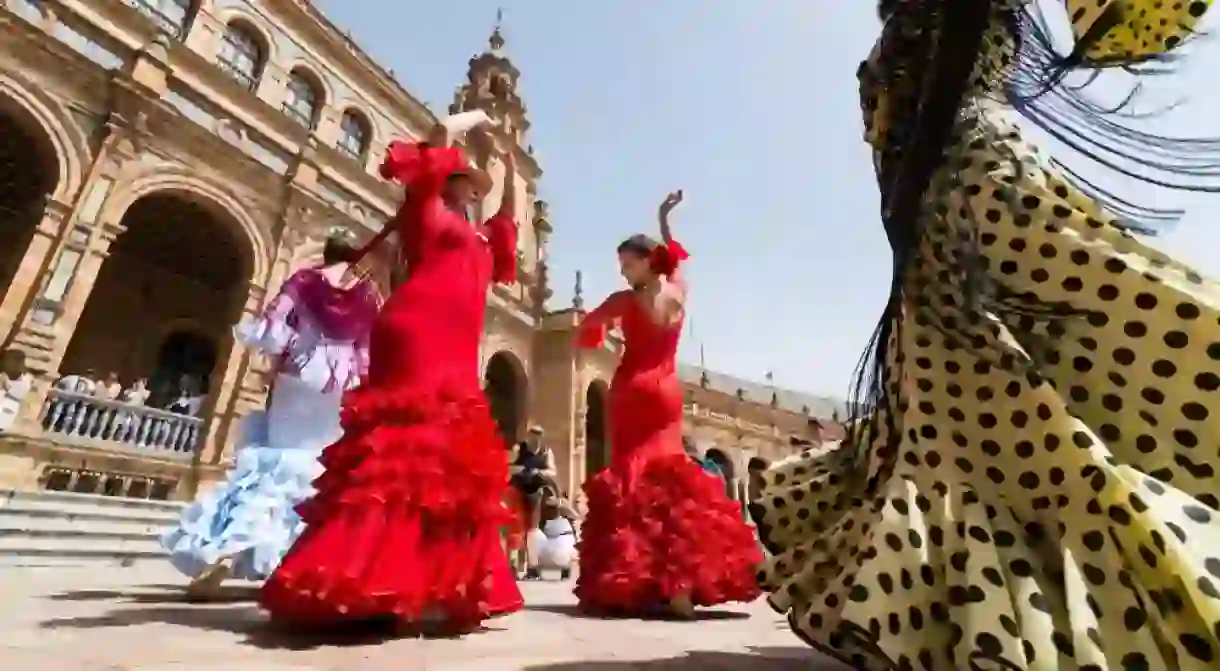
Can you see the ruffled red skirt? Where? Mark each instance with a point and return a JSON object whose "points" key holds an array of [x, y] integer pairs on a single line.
{"points": [[672, 532], [406, 520]]}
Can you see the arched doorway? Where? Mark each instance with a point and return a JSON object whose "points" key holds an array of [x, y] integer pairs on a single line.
{"points": [[725, 466], [184, 358], [29, 172], [755, 468], [505, 386], [597, 435], [166, 299]]}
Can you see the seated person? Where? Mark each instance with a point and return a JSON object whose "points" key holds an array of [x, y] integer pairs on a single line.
{"points": [[552, 543], [532, 467]]}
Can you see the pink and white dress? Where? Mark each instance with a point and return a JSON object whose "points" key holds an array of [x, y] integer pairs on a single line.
{"points": [[318, 336]]}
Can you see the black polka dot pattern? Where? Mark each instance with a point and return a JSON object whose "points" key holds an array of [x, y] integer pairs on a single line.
{"points": [[1144, 28], [1041, 490]]}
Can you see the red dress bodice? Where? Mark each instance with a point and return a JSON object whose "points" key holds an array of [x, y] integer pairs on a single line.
{"points": [[430, 329], [645, 393]]}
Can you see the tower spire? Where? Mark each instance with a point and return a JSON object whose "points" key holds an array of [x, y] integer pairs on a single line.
{"points": [[496, 42], [578, 292]]}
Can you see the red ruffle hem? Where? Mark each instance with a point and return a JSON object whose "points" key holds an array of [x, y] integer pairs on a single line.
{"points": [[671, 532], [406, 520]]}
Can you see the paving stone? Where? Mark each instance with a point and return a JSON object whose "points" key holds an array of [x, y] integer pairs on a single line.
{"points": [[138, 620]]}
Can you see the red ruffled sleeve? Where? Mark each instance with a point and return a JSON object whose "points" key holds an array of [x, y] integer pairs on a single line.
{"points": [[592, 329], [667, 257], [419, 167], [501, 232]]}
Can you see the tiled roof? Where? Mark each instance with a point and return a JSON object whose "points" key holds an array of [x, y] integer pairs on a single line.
{"points": [[822, 407]]}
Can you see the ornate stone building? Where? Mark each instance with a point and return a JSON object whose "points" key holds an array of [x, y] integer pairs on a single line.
{"points": [[165, 164]]}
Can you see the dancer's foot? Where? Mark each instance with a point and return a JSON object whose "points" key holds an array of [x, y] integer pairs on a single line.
{"points": [[205, 586], [565, 574], [533, 574], [682, 607], [435, 623]]}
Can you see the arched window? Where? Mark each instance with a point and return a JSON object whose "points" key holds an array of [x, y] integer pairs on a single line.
{"points": [[241, 55], [303, 100], [353, 135], [171, 16]]}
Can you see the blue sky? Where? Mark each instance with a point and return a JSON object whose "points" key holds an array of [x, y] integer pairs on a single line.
{"points": [[751, 107]]}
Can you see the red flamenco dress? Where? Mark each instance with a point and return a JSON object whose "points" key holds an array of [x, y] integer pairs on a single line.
{"points": [[406, 521], [658, 527]]}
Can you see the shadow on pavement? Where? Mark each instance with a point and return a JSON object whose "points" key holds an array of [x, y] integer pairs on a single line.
{"points": [[772, 659], [246, 621], [572, 610], [155, 594]]}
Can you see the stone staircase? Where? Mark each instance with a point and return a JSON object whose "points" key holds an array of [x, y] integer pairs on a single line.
{"points": [[41, 528]]}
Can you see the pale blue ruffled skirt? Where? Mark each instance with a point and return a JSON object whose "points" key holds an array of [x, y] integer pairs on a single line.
{"points": [[250, 519]]}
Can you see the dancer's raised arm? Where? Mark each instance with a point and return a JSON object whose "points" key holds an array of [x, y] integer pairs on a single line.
{"points": [[592, 330], [501, 229], [671, 201]]}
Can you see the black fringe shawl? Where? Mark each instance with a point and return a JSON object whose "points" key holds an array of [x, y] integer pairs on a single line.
{"points": [[943, 40]]}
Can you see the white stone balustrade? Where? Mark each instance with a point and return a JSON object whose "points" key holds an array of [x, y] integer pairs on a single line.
{"points": [[79, 418]]}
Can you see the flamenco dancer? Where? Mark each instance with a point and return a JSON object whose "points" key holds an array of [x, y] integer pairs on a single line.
{"points": [[405, 526], [1035, 486], [317, 331], [659, 535]]}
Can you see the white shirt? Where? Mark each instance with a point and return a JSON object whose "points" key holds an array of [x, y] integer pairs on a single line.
{"points": [[12, 393], [135, 396], [108, 392], [77, 384]]}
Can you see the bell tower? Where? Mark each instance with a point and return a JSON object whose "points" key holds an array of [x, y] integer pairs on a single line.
{"points": [[492, 85]]}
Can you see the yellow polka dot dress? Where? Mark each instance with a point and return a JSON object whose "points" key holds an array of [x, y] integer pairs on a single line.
{"points": [[1039, 487]]}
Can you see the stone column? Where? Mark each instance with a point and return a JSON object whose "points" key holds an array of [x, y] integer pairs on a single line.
{"points": [[28, 273], [50, 322], [45, 326]]}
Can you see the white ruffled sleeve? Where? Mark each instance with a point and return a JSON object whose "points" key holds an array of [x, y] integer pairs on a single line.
{"points": [[272, 332]]}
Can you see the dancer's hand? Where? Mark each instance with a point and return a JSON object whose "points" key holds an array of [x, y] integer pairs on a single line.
{"points": [[466, 121], [671, 201]]}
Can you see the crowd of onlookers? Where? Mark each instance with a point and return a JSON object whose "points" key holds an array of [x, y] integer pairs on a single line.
{"points": [[182, 396]]}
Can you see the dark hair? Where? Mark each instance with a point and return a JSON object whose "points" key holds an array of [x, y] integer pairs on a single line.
{"points": [[337, 251], [639, 244]]}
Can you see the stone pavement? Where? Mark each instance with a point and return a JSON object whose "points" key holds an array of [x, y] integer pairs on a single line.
{"points": [[136, 620]]}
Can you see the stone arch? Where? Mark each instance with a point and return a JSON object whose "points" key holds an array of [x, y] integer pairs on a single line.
{"points": [[32, 106], [365, 118], [216, 197], [597, 427], [259, 27], [507, 388], [40, 168], [314, 74], [178, 273], [724, 463]]}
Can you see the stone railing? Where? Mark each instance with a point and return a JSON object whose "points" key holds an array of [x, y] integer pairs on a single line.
{"points": [[79, 418], [695, 411]]}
